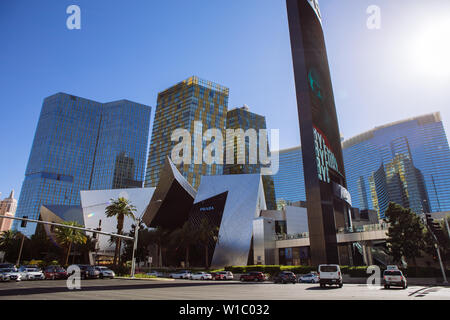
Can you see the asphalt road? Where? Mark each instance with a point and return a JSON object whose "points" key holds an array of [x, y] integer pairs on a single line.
{"points": [[208, 290]]}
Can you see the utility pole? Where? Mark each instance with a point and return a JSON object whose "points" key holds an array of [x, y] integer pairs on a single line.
{"points": [[20, 251], [429, 222], [446, 225], [136, 234]]}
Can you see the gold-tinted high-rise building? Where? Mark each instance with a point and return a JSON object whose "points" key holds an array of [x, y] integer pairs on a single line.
{"points": [[242, 118], [179, 107]]}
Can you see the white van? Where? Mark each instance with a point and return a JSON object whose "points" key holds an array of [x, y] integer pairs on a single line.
{"points": [[330, 274]]}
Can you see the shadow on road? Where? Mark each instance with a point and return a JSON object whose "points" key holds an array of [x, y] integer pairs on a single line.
{"points": [[319, 288], [85, 287]]}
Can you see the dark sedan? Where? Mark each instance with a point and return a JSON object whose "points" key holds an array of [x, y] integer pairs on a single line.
{"points": [[285, 277]]}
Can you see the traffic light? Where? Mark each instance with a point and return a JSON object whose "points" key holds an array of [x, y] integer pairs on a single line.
{"points": [[435, 228], [95, 234], [23, 224], [429, 219]]}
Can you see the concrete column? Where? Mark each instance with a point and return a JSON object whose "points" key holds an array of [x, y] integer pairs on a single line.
{"points": [[369, 253], [364, 253], [350, 253]]}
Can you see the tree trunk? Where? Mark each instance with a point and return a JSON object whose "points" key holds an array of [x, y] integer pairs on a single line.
{"points": [[68, 253], [187, 257], [160, 256], [119, 255], [115, 252]]}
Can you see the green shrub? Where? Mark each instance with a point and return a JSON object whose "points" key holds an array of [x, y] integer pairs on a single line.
{"points": [[120, 270]]}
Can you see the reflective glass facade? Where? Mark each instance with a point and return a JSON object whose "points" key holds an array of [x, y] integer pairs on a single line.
{"points": [[407, 162], [180, 106], [289, 181], [81, 144], [242, 118]]}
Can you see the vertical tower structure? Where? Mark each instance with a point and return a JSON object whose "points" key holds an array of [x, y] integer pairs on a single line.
{"points": [[328, 201]]}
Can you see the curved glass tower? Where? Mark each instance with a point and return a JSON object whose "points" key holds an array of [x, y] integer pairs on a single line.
{"points": [[407, 162]]}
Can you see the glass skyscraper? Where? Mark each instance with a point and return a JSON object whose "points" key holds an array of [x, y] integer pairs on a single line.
{"points": [[82, 144], [181, 106], [289, 181], [407, 162], [242, 118]]}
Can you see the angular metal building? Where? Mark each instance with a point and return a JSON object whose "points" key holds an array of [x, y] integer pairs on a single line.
{"points": [[230, 203], [94, 203], [173, 198]]}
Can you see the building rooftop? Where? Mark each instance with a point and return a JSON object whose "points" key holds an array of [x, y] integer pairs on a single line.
{"points": [[194, 80], [428, 118]]}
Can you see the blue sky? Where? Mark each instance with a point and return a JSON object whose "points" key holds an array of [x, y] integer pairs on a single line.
{"points": [[134, 49]]}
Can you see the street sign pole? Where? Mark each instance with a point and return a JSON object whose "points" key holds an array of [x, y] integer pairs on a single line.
{"points": [[133, 259]]}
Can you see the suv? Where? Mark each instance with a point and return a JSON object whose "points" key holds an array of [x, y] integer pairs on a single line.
{"points": [[253, 276], [394, 278], [285, 277], [330, 274]]}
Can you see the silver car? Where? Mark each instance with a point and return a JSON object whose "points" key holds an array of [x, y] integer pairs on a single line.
{"points": [[31, 273], [11, 273], [105, 272]]}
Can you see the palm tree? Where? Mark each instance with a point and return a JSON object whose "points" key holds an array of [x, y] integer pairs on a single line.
{"points": [[184, 237], [120, 209], [205, 233], [66, 237], [7, 238], [159, 236]]}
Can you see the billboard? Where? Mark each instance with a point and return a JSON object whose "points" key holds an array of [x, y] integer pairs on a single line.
{"points": [[319, 130]]}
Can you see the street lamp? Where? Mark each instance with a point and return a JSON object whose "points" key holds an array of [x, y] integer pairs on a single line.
{"points": [[138, 221]]}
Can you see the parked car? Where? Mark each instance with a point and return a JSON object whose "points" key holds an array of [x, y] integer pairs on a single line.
{"points": [[330, 274], [285, 277], [201, 276], [55, 272], [184, 274], [105, 272], [88, 272], [155, 273], [253, 276], [4, 277], [11, 273], [223, 275], [311, 277], [31, 273], [394, 278]]}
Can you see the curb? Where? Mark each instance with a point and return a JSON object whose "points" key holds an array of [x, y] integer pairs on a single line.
{"points": [[145, 279]]}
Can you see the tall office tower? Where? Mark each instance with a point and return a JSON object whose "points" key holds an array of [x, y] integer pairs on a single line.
{"points": [[242, 118], [8, 208], [82, 144], [190, 102], [407, 162], [289, 180], [328, 201]]}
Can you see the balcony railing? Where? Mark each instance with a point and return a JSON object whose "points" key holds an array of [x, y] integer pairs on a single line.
{"points": [[365, 228]]}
